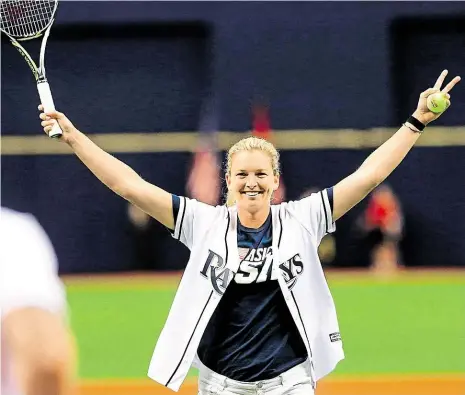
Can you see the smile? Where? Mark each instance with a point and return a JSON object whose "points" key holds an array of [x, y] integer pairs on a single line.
{"points": [[252, 193]]}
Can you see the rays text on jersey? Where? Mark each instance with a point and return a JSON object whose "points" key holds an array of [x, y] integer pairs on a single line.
{"points": [[257, 267]]}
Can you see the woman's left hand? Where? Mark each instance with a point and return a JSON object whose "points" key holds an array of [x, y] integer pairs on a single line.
{"points": [[422, 113]]}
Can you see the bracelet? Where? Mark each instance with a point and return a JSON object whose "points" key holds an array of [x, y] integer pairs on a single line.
{"points": [[412, 128], [416, 123]]}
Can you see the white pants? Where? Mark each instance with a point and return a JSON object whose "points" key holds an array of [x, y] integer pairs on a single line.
{"points": [[295, 381]]}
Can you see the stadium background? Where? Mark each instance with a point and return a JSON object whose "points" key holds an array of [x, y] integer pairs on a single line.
{"points": [[143, 77]]}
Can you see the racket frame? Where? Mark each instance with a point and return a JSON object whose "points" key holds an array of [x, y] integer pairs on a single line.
{"points": [[43, 86]]}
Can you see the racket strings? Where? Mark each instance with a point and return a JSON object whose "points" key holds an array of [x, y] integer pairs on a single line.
{"points": [[26, 18]]}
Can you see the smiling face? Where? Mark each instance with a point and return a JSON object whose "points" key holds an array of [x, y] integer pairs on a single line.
{"points": [[251, 180]]}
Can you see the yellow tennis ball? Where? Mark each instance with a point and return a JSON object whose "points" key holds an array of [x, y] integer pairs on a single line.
{"points": [[437, 102]]}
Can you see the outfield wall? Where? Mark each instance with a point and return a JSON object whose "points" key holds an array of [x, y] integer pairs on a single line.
{"points": [[132, 70]]}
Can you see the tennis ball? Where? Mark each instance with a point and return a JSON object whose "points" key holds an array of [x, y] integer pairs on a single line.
{"points": [[437, 102]]}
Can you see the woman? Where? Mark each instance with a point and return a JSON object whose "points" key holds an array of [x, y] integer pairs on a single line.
{"points": [[253, 310]]}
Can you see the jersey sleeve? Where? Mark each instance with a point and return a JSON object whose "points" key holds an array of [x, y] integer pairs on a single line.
{"points": [[28, 266], [316, 212], [191, 219]]}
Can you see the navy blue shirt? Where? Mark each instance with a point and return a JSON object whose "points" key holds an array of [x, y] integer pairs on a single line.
{"points": [[251, 336]]}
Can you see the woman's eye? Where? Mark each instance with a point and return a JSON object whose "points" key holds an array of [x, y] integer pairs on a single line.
{"points": [[241, 174], [261, 175]]}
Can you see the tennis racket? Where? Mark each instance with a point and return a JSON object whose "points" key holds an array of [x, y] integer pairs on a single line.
{"points": [[25, 20]]}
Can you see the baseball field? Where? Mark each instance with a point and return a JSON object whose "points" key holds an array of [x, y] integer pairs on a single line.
{"points": [[403, 334]]}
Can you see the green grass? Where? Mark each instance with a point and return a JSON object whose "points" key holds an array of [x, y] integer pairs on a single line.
{"points": [[397, 326], [116, 329]]}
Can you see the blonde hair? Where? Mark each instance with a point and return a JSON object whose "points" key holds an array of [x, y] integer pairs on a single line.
{"points": [[249, 144]]}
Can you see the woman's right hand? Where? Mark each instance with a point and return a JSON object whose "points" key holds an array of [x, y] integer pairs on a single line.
{"points": [[65, 124]]}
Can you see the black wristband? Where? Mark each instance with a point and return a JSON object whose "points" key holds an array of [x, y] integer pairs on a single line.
{"points": [[415, 122]]}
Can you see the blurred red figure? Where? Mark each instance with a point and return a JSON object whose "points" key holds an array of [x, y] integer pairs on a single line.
{"points": [[384, 214], [261, 128], [204, 179], [204, 182]]}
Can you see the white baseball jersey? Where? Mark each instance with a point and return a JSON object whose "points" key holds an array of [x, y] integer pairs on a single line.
{"points": [[28, 277], [211, 235]]}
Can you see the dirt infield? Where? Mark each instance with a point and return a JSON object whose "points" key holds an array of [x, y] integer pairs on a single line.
{"points": [[385, 385]]}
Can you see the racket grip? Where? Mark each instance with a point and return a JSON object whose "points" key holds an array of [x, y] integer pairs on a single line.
{"points": [[47, 101]]}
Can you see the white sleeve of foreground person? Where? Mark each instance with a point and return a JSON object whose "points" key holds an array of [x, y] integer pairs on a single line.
{"points": [[37, 352]]}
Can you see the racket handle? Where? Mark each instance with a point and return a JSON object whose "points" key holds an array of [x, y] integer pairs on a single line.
{"points": [[47, 101]]}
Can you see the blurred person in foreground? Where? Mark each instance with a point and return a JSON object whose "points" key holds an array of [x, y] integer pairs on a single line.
{"points": [[253, 310], [37, 348]]}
